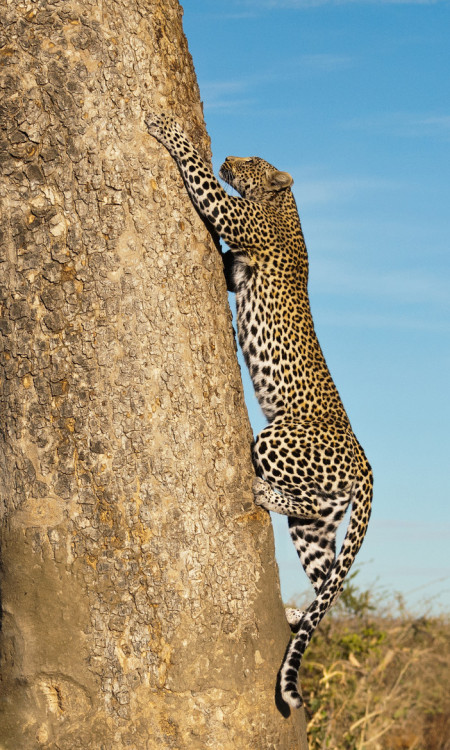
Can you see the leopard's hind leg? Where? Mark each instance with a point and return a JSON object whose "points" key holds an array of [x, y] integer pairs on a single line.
{"points": [[314, 538], [309, 475], [315, 542]]}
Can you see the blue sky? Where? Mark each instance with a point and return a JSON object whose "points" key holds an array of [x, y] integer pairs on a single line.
{"points": [[353, 99]]}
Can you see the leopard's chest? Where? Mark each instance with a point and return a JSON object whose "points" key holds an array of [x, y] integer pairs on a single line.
{"points": [[270, 340]]}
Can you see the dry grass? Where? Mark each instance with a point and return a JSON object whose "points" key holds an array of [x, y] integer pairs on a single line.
{"points": [[372, 681]]}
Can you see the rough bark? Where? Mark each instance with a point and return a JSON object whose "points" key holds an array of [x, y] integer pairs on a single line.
{"points": [[140, 599]]}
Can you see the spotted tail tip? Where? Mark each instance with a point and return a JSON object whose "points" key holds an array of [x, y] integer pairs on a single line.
{"points": [[287, 697]]}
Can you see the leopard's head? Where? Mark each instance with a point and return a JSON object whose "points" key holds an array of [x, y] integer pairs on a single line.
{"points": [[254, 178]]}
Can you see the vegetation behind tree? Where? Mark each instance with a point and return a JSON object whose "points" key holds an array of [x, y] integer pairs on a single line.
{"points": [[376, 677]]}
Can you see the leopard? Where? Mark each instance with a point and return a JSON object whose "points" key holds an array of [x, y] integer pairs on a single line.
{"points": [[308, 463]]}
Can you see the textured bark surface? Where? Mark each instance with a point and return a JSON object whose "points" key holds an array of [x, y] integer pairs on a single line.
{"points": [[140, 599]]}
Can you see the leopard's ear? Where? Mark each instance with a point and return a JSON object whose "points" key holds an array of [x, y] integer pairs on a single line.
{"points": [[277, 180]]}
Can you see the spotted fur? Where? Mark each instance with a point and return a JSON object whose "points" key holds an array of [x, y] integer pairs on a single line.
{"points": [[308, 462]]}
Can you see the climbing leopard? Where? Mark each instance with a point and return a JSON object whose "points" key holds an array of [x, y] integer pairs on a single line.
{"points": [[308, 463]]}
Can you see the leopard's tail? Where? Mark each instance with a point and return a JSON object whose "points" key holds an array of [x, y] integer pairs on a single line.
{"points": [[287, 693]]}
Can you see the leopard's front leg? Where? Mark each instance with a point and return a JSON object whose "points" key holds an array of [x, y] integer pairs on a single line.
{"points": [[206, 193], [231, 217]]}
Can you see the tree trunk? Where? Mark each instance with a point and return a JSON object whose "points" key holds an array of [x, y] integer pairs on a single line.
{"points": [[141, 606]]}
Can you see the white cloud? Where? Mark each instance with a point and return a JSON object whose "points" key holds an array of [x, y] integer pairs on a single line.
{"points": [[226, 104], [323, 62], [301, 4], [435, 124], [410, 286], [423, 530], [403, 124], [227, 95], [312, 192], [240, 92], [377, 321]]}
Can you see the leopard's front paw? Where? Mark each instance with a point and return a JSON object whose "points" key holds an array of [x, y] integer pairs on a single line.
{"points": [[161, 126], [155, 123]]}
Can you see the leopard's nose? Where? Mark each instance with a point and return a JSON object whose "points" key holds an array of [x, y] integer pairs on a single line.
{"points": [[226, 169]]}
